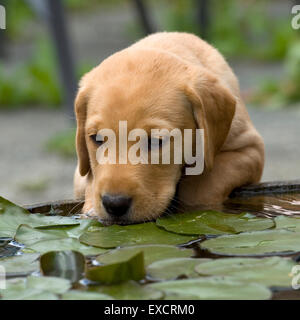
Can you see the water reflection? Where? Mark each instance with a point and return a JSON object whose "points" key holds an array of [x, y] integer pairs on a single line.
{"points": [[266, 206]]}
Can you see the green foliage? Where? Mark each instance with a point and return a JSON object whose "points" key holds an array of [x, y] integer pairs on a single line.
{"points": [[77, 5], [17, 13], [287, 91], [180, 16], [63, 143], [237, 28], [35, 82]]}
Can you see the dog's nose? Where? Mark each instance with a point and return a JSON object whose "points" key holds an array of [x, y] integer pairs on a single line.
{"points": [[116, 205]]}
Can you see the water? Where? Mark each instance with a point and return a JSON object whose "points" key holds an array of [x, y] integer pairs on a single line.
{"points": [[266, 205], [8, 247]]}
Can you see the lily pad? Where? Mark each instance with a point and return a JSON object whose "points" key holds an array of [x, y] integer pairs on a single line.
{"points": [[63, 264], [49, 284], [254, 243], [131, 235], [170, 269], [21, 264], [28, 235], [292, 224], [84, 225], [130, 290], [35, 288], [213, 223], [45, 240], [12, 216], [83, 295], [27, 294], [131, 267], [212, 288], [65, 244], [151, 253], [271, 271]]}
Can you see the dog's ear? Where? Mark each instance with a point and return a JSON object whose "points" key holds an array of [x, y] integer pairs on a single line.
{"points": [[81, 147], [213, 107]]}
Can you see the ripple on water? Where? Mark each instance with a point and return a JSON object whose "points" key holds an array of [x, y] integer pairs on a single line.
{"points": [[267, 206]]}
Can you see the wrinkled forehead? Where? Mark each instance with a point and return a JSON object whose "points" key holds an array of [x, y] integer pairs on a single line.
{"points": [[141, 104]]}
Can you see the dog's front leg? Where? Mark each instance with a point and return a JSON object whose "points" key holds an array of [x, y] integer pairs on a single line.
{"points": [[231, 170], [83, 191]]}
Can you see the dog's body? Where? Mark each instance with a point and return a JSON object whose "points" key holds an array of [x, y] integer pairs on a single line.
{"points": [[171, 80]]}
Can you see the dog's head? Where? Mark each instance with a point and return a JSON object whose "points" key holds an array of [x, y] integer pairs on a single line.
{"points": [[149, 90]]}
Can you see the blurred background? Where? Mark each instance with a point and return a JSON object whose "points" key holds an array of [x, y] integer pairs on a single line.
{"points": [[48, 44]]}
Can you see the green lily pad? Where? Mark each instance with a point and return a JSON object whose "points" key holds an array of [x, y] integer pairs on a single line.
{"points": [[271, 271], [45, 240], [20, 264], [131, 235], [292, 224], [63, 264], [27, 294], [170, 269], [12, 216], [130, 290], [151, 253], [49, 284], [9, 213], [85, 225], [212, 288], [83, 295], [35, 288], [213, 223], [130, 267], [254, 243], [65, 244], [28, 235]]}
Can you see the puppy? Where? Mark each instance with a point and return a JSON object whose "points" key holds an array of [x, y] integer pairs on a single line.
{"points": [[166, 80]]}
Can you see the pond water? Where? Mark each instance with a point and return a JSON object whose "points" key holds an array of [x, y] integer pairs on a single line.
{"points": [[266, 205]]}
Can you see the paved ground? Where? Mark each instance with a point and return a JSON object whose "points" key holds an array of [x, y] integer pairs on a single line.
{"points": [[28, 174]]}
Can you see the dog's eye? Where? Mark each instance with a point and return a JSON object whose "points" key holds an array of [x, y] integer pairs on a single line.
{"points": [[155, 143], [97, 139]]}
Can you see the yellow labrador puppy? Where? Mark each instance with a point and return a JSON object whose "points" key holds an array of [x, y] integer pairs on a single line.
{"points": [[166, 80]]}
